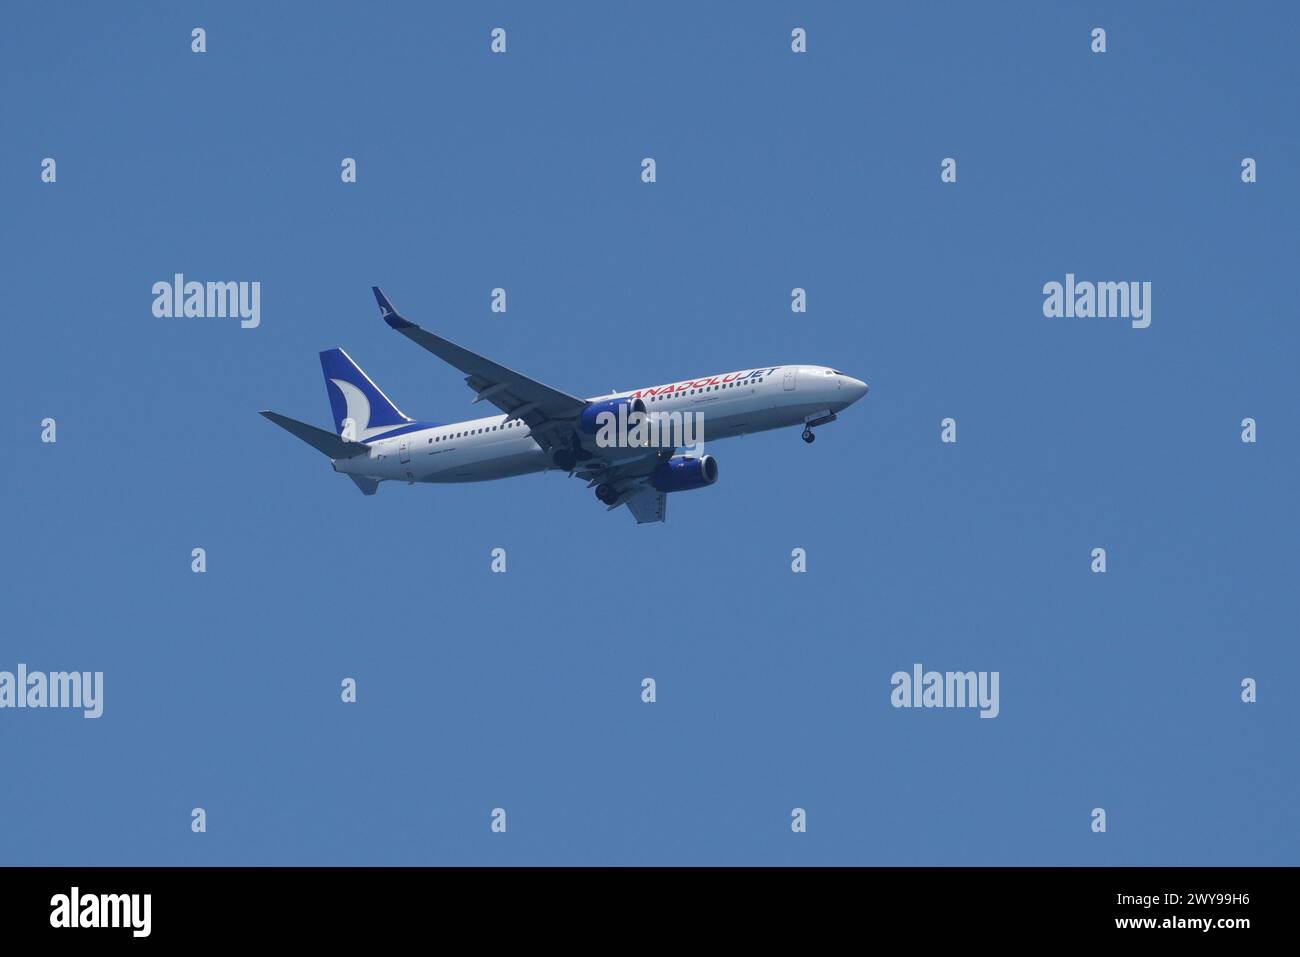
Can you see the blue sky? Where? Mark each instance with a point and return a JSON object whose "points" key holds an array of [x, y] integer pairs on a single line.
{"points": [[775, 170]]}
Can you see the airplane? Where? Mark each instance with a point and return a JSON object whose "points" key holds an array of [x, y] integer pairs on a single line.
{"points": [[542, 428]]}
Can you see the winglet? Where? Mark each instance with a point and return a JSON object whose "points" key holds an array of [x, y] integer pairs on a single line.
{"points": [[388, 312]]}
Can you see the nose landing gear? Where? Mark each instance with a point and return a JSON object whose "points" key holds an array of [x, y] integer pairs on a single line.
{"points": [[824, 417]]}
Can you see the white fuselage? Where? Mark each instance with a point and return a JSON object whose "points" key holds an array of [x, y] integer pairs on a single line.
{"points": [[498, 446]]}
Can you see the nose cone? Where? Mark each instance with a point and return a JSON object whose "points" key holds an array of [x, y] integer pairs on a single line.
{"points": [[853, 389]]}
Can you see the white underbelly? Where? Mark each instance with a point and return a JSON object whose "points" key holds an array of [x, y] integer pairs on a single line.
{"points": [[493, 461]]}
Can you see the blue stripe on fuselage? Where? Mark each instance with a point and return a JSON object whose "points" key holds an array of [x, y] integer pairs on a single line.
{"points": [[413, 427]]}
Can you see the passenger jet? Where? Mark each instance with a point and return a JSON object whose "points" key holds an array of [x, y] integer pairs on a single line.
{"points": [[542, 428]]}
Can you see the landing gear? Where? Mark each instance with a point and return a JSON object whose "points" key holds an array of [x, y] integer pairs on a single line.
{"points": [[824, 417], [568, 457]]}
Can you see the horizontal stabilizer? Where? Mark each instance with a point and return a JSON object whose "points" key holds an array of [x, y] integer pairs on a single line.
{"points": [[367, 485], [327, 442]]}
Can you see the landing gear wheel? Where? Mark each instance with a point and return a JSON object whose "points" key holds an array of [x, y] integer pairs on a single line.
{"points": [[808, 436], [565, 459]]}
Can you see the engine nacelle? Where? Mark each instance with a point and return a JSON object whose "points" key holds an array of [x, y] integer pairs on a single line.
{"points": [[588, 421], [681, 473]]}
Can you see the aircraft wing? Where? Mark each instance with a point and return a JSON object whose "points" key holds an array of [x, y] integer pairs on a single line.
{"points": [[550, 415], [632, 480], [543, 408], [648, 505]]}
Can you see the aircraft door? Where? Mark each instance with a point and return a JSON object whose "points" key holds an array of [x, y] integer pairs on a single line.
{"points": [[790, 375]]}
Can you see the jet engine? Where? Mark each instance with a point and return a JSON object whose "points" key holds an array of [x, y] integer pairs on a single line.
{"points": [[681, 473], [589, 420]]}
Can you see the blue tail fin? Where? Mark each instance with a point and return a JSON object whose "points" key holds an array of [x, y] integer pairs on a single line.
{"points": [[359, 405]]}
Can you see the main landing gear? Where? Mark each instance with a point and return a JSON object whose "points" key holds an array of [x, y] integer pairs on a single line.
{"points": [[808, 436], [568, 459]]}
